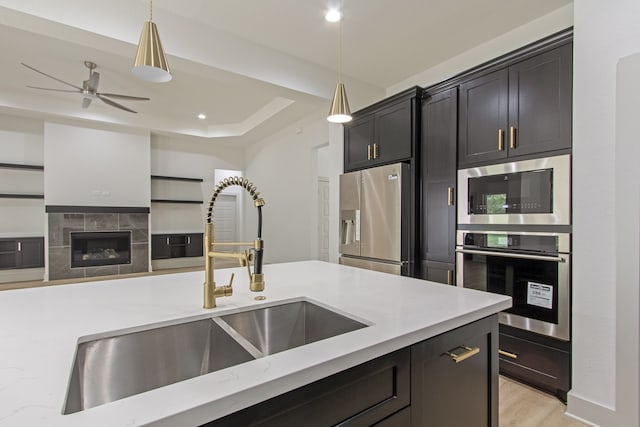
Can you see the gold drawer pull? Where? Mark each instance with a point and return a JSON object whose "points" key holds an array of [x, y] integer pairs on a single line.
{"points": [[369, 152], [463, 356], [375, 151], [508, 354], [449, 277], [500, 140], [512, 137], [450, 196]]}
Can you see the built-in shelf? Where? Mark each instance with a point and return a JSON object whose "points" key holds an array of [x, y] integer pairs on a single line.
{"points": [[23, 196], [192, 202], [176, 178], [17, 166]]}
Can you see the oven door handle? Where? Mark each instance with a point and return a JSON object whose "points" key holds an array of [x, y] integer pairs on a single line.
{"points": [[513, 255]]}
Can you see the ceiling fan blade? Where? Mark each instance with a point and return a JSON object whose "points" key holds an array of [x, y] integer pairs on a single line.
{"points": [[51, 77], [86, 101], [114, 104], [55, 90], [93, 81], [118, 96]]}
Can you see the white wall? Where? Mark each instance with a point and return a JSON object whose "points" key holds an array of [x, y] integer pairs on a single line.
{"points": [[603, 382], [93, 167], [284, 169], [21, 142], [553, 22], [188, 157]]}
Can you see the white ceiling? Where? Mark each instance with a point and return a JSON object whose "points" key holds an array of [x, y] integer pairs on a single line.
{"points": [[251, 66]]}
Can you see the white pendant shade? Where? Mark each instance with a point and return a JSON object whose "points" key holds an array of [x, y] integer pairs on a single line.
{"points": [[151, 64]]}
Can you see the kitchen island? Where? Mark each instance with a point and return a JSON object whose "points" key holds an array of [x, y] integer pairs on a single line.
{"points": [[41, 328]]}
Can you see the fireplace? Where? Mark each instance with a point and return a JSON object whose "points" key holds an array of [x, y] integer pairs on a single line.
{"points": [[92, 241], [100, 248]]}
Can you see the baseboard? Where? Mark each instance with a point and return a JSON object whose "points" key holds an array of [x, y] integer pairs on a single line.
{"points": [[590, 413]]}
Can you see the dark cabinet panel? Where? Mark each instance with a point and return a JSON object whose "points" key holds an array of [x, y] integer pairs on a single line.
{"points": [[26, 252], [195, 244], [521, 110], [30, 253], [483, 118], [160, 248], [358, 143], [438, 174], [438, 272], [445, 392], [383, 133], [393, 133], [535, 359], [165, 246], [540, 91], [360, 396]]}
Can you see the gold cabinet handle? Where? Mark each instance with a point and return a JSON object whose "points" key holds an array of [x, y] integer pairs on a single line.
{"points": [[500, 140], [449, 277], [368, 151], [375, 151], [512, 137], [450, 196], [463, 356], [508, 354]]}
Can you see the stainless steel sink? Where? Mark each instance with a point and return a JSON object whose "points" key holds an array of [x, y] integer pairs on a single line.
{"points": [[121, 365], [286, 326], [112, 368]]}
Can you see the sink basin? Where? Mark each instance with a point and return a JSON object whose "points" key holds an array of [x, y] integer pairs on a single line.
{"points": [[112, 368], [282, 327], [121, 365]]}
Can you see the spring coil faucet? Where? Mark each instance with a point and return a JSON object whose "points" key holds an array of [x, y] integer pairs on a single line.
{"points": [[211, 292]]}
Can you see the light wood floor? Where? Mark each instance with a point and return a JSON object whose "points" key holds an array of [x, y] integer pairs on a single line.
{"points": [[523, 406]]}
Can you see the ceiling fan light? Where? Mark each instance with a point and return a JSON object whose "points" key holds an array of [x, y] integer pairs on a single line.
{"points": [[151, 63], [339, 111]]}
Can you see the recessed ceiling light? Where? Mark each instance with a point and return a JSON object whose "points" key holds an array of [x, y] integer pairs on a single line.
{"points": [[333, 15], [202, 116]]}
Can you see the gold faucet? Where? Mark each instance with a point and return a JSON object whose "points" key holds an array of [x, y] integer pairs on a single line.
{"points": [[256, 284]]}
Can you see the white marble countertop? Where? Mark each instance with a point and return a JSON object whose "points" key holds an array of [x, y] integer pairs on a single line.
{"points": [[40, 327]]}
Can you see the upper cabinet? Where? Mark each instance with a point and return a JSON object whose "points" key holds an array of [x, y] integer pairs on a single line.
{"points": [[521, 110], [382, 133]]}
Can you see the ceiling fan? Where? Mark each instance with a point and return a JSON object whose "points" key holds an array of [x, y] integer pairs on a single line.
{"points": [[89, 89]]}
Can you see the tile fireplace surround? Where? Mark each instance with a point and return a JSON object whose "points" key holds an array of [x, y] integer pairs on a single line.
{"points": [[63, 220]]}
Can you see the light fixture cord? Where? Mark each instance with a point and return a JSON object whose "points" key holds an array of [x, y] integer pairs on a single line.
{"points": [[340, 51], [150, 10]]}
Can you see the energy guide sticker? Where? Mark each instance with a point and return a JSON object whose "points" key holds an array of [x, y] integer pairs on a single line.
{"points": [[540, 295]]}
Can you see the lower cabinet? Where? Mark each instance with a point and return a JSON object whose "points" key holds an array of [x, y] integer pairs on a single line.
{"points": [[165, 246], [26, 252], [438, 272], [447, 380], [540, 361]]}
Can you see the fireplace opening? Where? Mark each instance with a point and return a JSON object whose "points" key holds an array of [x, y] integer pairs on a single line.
{"points": [[100, 248]]}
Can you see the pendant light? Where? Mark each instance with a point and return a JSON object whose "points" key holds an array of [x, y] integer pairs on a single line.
{"points": [[339, 111], [151, 64]]}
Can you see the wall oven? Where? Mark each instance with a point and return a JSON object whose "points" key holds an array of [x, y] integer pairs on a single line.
{"points": [[531, 267], [526, 192]]}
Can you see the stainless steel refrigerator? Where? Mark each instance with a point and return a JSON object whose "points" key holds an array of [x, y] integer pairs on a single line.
{"points": [[374, 218]]}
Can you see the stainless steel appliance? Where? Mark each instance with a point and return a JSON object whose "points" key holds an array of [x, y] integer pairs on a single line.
{"points": [[374, 218], [534, 191], [531, 267]]}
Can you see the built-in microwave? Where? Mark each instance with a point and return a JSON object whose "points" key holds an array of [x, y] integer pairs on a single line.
{"points": [[533, 191]]}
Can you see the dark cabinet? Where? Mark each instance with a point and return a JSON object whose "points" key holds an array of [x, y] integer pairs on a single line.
{"points": [[26, 252], [360, 396], [438, 174], [382, 133], [521, 110], [165, 246], [535, 359], [454, 377], [447, 380]]}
